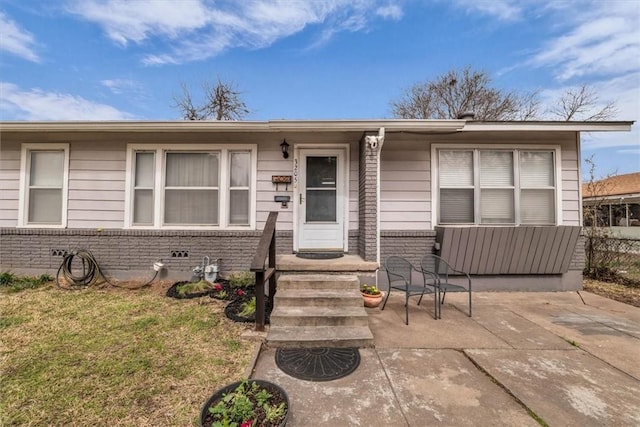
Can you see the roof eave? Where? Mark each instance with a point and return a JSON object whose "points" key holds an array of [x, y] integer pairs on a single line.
{"points": [[549, 126], [236, 126], [391, 125]]}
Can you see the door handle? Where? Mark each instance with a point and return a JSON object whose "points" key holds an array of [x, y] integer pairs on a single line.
{"points": [[301, 198]]}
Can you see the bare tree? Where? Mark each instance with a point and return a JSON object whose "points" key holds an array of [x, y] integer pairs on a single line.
{"points": [[222, 102], [597, 233], [460, 91], [184, 103], [582, 104]]}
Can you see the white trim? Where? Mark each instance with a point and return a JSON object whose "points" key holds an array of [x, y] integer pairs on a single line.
{"points": [[579, 150], [160, 151], [391, 125], [25, 168], [435, 194], [559, 203], [253, 165], [297, 148]]}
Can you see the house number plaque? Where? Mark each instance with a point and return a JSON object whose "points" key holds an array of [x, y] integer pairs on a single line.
{"points": [[281, 179]]}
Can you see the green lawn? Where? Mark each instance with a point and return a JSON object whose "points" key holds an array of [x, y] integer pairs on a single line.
{"points": [[113, 357]]}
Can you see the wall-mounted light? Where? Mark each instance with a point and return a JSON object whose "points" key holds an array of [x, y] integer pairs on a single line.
{"points": [[285, 149]]}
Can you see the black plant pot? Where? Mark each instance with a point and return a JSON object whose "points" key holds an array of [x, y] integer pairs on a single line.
{"points": [[272, 388]]}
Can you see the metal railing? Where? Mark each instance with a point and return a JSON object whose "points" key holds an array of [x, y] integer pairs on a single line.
{"points": [[265, 271]]}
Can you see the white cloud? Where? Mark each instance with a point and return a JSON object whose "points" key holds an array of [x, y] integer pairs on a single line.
{"points": [[15, 40], [504, 10], [36, 104], [390, 11], [120, 86], [135, 21], [198, 29], [597, 39]]}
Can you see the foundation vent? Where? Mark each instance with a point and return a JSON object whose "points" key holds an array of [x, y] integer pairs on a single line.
{"points": [[180, 254]]}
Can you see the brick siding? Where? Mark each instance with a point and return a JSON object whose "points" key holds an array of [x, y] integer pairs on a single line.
{"points": [[133, 250], [368, 201], [412, 245]]}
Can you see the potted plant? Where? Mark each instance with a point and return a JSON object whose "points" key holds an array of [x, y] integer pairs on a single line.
{"points": [[372, 295], [246, 403]]}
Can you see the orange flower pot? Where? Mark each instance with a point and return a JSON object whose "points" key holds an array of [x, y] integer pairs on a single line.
{"points": [[372, 301]]}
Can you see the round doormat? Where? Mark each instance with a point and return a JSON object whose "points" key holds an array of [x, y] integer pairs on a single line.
{"points": [[319, 255], [318, 364]]}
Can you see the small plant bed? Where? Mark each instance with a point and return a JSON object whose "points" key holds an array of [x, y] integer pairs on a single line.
{"points": [[187, 290], [246, 403], [244, 280], [244, 309], [222, 290]]}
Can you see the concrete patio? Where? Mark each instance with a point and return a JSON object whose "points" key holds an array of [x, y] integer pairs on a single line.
{"points": [[563, 358]]}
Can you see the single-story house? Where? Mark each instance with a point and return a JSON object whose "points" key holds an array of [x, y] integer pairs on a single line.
{"points": [[501, 200], [614, 202]]}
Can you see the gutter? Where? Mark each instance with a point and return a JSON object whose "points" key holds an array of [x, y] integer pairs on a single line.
{"points": [[391, 126], [237, 126]]}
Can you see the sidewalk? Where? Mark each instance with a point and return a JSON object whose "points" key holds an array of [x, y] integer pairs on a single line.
{"points": [[521, 356]]}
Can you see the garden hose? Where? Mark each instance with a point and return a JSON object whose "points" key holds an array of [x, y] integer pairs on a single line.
{"points": [[91, 272]]}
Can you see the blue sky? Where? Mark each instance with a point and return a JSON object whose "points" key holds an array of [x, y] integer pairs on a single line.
{"points": [[314, 59]]}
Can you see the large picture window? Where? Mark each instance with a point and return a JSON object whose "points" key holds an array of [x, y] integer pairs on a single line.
{"points": [[192, 187], [496, 186], [44, 185]]}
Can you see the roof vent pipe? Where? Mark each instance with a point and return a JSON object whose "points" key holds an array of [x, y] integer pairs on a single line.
{"points": [[466, 115]]}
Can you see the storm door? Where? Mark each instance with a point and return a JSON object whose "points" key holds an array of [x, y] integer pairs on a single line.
{"points": [[321, 200]]}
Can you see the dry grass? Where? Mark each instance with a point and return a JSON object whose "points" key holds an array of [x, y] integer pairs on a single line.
{"points": [[113, 357], [615, 291]]}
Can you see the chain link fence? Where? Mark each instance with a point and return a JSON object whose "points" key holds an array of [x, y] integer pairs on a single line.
{"points": [[613, 259]]}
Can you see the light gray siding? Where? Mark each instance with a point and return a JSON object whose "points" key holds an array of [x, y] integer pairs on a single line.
{"points": [[405, 186], [9, 183], [405, 190], [97, 173], [271, 162], [96, 185], [570, 181]]}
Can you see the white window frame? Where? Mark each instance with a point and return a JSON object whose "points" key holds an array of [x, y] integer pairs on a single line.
{"points": [[247, 188], [158, 190], [25, 169], [435, 184]]}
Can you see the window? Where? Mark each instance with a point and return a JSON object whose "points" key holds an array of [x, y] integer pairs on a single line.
{"points": [[143, 188], [239, 188], [43, 187], [494, 186], [198, 186]]}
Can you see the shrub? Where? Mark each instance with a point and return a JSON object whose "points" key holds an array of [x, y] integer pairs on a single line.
{"points": [[14, 283], [242, 279]]}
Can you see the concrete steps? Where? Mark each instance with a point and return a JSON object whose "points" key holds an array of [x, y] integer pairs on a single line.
{"points": [[319, 310]]}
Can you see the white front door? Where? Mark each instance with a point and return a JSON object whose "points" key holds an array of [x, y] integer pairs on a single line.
{"points": [[321, 195]]}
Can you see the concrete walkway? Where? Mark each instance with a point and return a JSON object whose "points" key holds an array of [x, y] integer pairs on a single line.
{"points": [[522, 358]]}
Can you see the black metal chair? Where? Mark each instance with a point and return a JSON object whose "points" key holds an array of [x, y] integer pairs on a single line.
{"points": [[434, 266], [400, 278]]}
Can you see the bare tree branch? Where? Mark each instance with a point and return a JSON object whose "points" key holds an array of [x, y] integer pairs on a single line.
{"points": [[184, 103], [582, 104], [460, 91], [222, 102]]}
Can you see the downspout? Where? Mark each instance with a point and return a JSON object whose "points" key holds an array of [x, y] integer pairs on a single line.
{"points": [[376, 143], [380, 138]]}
